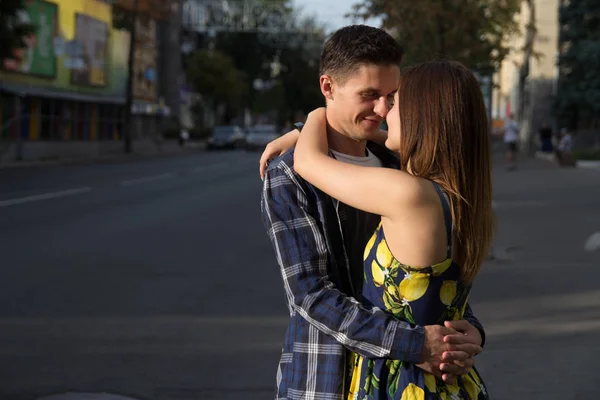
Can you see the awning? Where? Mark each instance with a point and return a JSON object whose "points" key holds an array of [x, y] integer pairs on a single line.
{"points": [[23, 90]]}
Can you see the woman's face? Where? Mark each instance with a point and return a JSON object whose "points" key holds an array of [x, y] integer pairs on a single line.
{"points": [[393, 122]]}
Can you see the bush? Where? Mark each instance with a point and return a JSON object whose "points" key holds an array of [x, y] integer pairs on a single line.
{"points": [[587, 154]]}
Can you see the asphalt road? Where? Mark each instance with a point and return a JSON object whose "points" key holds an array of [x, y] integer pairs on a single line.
{"points": [[153, 278]]}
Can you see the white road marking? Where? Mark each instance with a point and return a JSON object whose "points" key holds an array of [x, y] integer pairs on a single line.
{"points": [[146, 179], [593, 242], [45, 196]]}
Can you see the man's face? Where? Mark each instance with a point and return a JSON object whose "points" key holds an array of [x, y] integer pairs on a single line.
{"points": [[357, 106]]}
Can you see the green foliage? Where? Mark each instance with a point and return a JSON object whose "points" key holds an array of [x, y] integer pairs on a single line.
{"points": [[282, 50], [12, 29], [470, 31], [214, 75], [578, 102]]}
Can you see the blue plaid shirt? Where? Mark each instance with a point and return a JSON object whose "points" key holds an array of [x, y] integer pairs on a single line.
{"points": [[326, 321]]}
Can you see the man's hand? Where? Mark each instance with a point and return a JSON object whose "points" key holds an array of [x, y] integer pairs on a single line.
{"points": [[448, 352], [276, 148]]}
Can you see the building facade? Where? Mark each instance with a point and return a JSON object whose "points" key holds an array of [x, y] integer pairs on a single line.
{"points": [[541, 82], [69, 85]]}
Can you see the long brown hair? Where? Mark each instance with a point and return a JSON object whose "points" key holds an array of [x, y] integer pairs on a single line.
{"points": [[445, 138]]}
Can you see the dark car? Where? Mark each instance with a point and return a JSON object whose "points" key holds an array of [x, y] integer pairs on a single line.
{"points": [[226, 137]]}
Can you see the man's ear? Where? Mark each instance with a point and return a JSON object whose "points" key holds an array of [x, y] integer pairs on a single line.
{"points": [[326, 84]]}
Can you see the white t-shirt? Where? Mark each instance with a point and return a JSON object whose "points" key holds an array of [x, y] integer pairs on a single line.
{"points": [[357, 226], [370, 160], [511, 132]]}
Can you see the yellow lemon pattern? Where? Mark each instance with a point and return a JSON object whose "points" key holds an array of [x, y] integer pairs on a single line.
{"points": [[414, 286], [421, 296], [430, 382], [448, 292], [384, 255], [378, 273], [413, 392], [369, 246]]}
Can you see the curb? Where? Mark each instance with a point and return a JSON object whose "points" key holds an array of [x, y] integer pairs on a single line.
{"points": [[590, 164], [545, 156], [190, 148], [594, 164], [85, 396]]}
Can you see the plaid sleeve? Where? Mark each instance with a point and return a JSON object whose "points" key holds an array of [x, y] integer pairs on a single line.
{"points": [[472, 319], [302, 256]]}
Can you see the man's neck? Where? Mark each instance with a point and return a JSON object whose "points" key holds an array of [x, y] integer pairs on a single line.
{"points": [[342, 143]]}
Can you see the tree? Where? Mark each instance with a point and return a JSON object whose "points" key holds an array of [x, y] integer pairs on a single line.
{"points": [[12, 28], [274, 45], [276, 48], [299, 75], [530, 34], [214, 75], [578, 102], [470, 31]]}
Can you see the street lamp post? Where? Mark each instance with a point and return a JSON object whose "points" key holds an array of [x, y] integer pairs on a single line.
{"points": [[130, 71]]}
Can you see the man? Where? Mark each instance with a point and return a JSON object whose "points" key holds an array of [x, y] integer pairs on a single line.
{"points": [[511, 138], [546, 138], [319, 242]]}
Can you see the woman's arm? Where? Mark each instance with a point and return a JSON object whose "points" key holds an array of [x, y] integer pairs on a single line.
{"points": [[284, 143], [276, 148], [376, 190]]}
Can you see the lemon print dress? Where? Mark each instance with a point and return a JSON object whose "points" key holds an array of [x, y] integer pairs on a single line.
{"points": [[423, 296]]}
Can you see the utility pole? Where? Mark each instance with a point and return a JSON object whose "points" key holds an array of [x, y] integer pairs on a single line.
{"points": [[130, 71]]}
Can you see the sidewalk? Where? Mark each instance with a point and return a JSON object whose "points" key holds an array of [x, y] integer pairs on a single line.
{"points": [[539, 303]]}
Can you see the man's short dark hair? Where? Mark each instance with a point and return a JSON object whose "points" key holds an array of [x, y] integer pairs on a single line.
{"points": [[356, 45]]}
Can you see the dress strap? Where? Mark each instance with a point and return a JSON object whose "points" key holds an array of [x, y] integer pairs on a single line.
{"points": [[447, 217]]}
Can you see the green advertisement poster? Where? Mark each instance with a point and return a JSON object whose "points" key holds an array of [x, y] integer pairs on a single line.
{"points": [[38, 57]]}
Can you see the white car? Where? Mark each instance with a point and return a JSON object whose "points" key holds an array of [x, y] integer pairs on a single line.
{"points": [[260, 135]]}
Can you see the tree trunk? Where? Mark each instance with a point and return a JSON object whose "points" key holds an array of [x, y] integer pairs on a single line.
{"points": [[128, 133], [524, 95]]}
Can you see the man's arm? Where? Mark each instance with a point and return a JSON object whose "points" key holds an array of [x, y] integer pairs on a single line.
{"points": [[302, 256]]}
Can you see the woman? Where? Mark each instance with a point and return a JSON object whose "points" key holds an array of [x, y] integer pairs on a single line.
{"points": [[436, 216]]}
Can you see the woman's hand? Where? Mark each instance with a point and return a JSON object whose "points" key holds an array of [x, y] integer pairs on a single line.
{"points": [[276, 148], [312, 142]]}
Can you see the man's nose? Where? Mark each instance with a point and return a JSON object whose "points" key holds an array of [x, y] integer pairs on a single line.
{"points": [[381, 107]]}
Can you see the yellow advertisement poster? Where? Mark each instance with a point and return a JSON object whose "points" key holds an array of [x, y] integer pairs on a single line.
{"points": [[91, 36], [85, 26]]}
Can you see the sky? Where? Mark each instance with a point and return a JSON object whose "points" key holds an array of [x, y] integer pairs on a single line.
{"points": [[330, 12]]}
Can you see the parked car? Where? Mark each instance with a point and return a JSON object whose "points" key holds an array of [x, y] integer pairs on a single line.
{"points": [[226, 137], [260, 135]]}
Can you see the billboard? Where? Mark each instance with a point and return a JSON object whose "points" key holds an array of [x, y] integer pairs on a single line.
{"points": [[91, 36], [79, 52], [144, 62], [37, 58]]}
